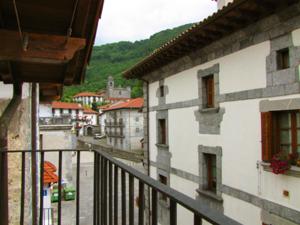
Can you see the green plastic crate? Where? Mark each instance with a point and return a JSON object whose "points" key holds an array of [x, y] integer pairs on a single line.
{"points": [[69, 193]]}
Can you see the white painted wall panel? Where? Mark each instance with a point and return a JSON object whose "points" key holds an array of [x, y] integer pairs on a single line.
{"points": [[296, 37], [152, 136], [243, 212], [153, 100]]}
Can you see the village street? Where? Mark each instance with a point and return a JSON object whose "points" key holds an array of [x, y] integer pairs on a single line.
{"points": [[86, 190]]}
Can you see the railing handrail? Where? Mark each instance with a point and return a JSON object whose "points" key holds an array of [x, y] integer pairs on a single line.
{"points": [[205, 212], [196, 207]]}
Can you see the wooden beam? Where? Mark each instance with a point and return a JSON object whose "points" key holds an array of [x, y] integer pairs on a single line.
{"points": [[71, 70], [6, 72], [41, 48]]}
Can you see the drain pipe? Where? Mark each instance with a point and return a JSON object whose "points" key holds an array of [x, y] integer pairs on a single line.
{"points": [[5, 120]]}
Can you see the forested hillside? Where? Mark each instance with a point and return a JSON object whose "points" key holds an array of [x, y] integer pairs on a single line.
{"points": [[113, 59]]}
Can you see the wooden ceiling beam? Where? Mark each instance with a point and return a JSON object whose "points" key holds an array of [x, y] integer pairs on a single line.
{"points": [[50, 49], [71, 70], [6, 72]]}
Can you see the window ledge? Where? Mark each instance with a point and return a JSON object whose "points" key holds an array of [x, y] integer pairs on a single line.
{"points": [[210, 195], [294, 171], [164, 146], [209, 110]]}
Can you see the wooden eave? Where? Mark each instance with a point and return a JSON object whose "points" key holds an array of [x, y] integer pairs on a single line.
{"points": [[233, 17], [47, 55]]}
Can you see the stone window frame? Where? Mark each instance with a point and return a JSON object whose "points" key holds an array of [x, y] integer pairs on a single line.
{"points": [[290, 75], [162, 99], [211, 71], [217, 151]]}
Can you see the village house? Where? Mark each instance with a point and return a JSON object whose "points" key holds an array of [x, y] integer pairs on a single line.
{"points": [[124, 124], [112, 94], [222, 100]]}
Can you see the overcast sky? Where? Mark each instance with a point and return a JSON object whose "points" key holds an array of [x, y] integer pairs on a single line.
{"points": [[130, 20]]}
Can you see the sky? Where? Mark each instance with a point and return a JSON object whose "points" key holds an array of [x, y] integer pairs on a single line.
{"points": [[131, 20]]}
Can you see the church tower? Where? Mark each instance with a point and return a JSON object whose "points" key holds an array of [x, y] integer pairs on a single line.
{"points": [[110, 82]]}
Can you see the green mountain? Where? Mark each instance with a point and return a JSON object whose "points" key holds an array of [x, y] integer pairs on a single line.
{"points": [[113, 59]]}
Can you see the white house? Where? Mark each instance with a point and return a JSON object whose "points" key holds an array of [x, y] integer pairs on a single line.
{"points": [[124, 124], [222, 100]]}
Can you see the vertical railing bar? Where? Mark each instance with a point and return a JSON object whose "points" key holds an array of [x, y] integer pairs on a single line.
{"points": [[41, 187], [131, 199], [102, 191], [141, 203], [197, 219], [99, 183], [105, 192], [22, 189], [59, 186], [154, 206], [95, 190], [123, 194], [110, 194], [116, 185], [78, 189], [173, 212]]}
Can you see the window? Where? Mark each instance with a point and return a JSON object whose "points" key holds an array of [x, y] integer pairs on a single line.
{"points": [[163, 180], [208, 83], [280, 133], [137, 119], [162, 131], [137, 130], [161, 91], [120, 92], [211, 169], [283, 59]]}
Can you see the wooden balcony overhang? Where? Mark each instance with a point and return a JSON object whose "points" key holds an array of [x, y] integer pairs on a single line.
{"points": [[47, 42]]}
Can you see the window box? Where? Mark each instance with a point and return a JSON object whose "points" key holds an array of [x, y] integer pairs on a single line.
{"points": [[294, 171]]}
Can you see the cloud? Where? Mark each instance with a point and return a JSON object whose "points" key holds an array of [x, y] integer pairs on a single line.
{"points": [[132, 20]]}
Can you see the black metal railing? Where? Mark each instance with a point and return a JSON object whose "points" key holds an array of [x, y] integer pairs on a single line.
{"points": [[114, 193], [55, 120]]}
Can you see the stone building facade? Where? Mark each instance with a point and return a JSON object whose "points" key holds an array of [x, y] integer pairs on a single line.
{"points": [[124, 125], [209, 130]]}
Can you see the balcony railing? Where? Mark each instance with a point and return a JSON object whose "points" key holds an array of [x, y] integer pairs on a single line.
{"points": [[55, 120], [112, 206]]}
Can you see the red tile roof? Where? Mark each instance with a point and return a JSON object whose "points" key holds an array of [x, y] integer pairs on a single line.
{"points": [[104, 106], [49, 173], [66, 105], [87, 94], [131, 104], [89, 111]]}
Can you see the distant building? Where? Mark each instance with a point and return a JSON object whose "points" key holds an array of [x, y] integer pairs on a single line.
{"points": [[112, 94], [124, 124], [88, 98]]}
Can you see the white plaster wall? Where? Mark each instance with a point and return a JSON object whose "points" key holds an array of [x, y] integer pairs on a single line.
{"points": [[296, 37], [242, 70], [57, 112], [153, 100], [45, 110], [187, 81], [245, 69], [243, 212], [152, 136], [184, 139], [6, 90]]}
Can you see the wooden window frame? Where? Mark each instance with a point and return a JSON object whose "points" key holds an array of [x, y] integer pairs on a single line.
{"points": [[162, 123], [209, 91], [271, 133], [210, 179], [283, 59]]}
